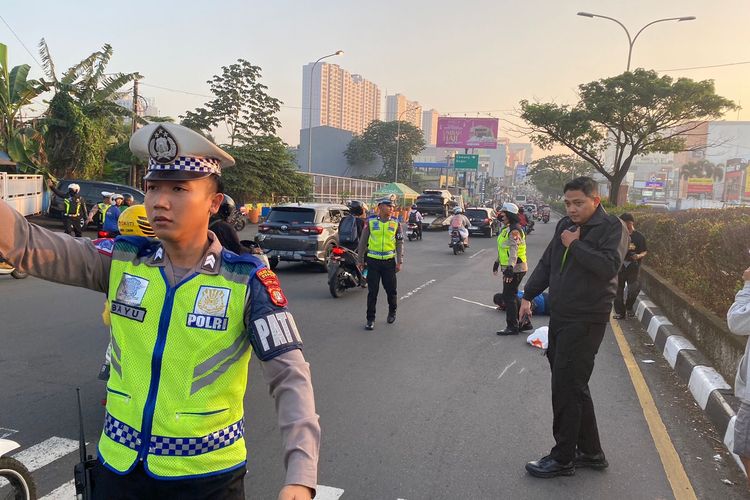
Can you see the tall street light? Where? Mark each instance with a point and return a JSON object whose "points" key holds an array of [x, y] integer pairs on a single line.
{"points": [[631, 41], [398, 135], [309, 121]]}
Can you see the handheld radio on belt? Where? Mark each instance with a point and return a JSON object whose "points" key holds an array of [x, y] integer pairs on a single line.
{"points": [[82, 470]]}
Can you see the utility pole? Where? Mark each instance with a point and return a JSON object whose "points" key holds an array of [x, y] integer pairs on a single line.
{"points": [[133, 128]]}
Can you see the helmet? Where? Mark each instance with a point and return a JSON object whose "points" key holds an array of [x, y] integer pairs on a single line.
{"points": [[127, 196], [133, 222], [457, 210], [116, 197], [414, 207], [357, 207], [510, 208], [228, 206], [74, 187]]}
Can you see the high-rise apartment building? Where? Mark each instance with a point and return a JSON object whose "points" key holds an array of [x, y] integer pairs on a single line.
{"points": [[398, 106], [429, 126], [339, 99]]}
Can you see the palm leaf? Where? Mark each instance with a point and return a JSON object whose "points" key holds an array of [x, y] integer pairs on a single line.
{"points": [[104, 56], [113, 83], [75, 71], [47, 63]]}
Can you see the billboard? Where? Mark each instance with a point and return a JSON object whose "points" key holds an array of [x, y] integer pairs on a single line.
{"points": [[700, 185], [732, 185], [521, 171], [467, 132]]}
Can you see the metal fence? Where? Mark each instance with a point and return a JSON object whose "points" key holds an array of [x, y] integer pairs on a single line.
{"points": [[333, 189], [22, 192]]}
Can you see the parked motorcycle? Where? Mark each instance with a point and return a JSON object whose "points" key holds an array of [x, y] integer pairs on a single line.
{"points": [[237, 219], [22, 485], [6, 268], [457, 243], [412, 232], [343, 272]]}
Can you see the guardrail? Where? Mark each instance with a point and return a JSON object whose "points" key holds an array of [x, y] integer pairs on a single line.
{"points": [[22, 192]]}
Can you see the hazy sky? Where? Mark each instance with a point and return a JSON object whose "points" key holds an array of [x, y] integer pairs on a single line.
{"points": [[459, 57]]}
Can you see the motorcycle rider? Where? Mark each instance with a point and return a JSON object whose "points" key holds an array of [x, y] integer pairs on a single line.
{"points": [[353, 225], [511, 255], [227, 234], [460, 223], [75, 207], [128, 200], [415, 217]]}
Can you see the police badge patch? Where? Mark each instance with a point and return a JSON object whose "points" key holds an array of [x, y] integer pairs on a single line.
{"points": [[130, 293], [210, 309], [162, 147], [269, 280]]}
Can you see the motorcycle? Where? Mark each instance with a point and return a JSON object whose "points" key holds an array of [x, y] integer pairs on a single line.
{"points": [[457, 243], [237, 220], [412, 232], [6, 268], [343, 272], [22, 485]]}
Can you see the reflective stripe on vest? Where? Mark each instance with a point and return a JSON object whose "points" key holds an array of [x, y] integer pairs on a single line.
{"points": [[382, 242], [503, 246], [68, 207], [176, 397], [103, 207]]}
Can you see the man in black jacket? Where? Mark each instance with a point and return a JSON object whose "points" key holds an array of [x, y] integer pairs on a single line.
{"points": [[580, 267]]}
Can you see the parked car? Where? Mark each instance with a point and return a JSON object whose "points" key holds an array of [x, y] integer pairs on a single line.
{"points": [[92, 193], [483, 220], [301, 232]]}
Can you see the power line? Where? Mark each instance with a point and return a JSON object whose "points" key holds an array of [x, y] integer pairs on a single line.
{"points": [[21, 42], [706, 67]]}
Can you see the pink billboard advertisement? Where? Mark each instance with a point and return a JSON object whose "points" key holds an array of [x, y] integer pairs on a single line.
{"points": [[467, 132]]}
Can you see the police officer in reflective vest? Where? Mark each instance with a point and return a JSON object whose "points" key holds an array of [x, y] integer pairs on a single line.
{"points": [[101, 208], [75, 207], [186, 315], [511, 256], [381, 248]]}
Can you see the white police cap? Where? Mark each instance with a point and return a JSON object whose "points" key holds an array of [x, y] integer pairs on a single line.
{"points": [[175, 152]]}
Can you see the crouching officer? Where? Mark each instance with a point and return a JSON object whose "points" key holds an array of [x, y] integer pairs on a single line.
{"points": [[381, 248], [185, 315]]}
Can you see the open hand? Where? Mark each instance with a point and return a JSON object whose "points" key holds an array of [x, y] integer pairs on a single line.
{"points": [[295, 492]]}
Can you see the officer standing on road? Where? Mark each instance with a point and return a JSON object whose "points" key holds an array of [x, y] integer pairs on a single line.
{"points": [[75, 207], [381, 249], [100, 208], [511, 256], [630, 273], [185, 316], [580, 268]]}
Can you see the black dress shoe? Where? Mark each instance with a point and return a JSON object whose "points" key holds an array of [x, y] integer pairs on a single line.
{"points": [[527, 327], [547, 467], [507, 331], [391, 318], [593, 461], [370, 325]]}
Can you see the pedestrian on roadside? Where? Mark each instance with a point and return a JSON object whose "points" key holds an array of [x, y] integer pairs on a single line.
{"points": [[630, 273], [738, 320], [75, 207], [381, 249], [579, 266], [511, 256], [185, 316]]}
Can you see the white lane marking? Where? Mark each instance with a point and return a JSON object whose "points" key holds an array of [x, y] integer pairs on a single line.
{"points": [[506, 369], [44, 453], [4, 433], [522, 370], [328, 493], [472, 256], [475, 303], [423, 285], [65, 492]]}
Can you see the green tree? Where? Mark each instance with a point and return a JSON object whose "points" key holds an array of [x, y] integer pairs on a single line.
{"points": [[380, 139], [241, 102], [549, 174], [633, 113], [17, 91], [83, 120]]}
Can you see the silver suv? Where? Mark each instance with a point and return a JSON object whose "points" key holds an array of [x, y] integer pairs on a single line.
{"points": [[301, 232]]}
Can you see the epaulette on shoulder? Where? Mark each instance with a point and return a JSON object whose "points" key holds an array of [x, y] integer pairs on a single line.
{"points": [[236, 262]]}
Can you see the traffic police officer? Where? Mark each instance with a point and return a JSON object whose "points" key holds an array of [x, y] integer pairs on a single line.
{"points": [[511, 256], [75, 207], [381, 248], [101, 208], [185, 316]]}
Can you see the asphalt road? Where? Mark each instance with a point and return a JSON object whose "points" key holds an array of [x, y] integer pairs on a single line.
{"points": [[435, 406]]}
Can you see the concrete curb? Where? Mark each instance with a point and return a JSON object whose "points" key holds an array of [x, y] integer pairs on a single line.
{"points": [[709, 389]]}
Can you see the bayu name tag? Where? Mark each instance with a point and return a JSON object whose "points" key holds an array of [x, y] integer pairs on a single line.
{"points": [[126, 311]]}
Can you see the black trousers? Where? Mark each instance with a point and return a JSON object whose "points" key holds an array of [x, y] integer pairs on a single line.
{"points": [[378, 270], [72, 225], [571, 352], [138, 485], [631, 276], [512, 303]]}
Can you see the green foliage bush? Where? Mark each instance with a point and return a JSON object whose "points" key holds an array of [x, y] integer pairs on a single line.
{"points": [[702, 252]]}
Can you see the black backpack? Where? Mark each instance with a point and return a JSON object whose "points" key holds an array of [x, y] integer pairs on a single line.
{"points": [[413, 217], [348, 230]]}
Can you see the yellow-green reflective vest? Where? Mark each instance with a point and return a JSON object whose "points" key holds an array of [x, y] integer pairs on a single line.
{"points": [[382, 242], [103, 207], [179, 368], [72, 207], [503, 246]]}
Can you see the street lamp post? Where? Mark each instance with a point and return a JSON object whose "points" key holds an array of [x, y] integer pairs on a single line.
{"points": [[631, 41], [309, 121], [398, 136]]}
